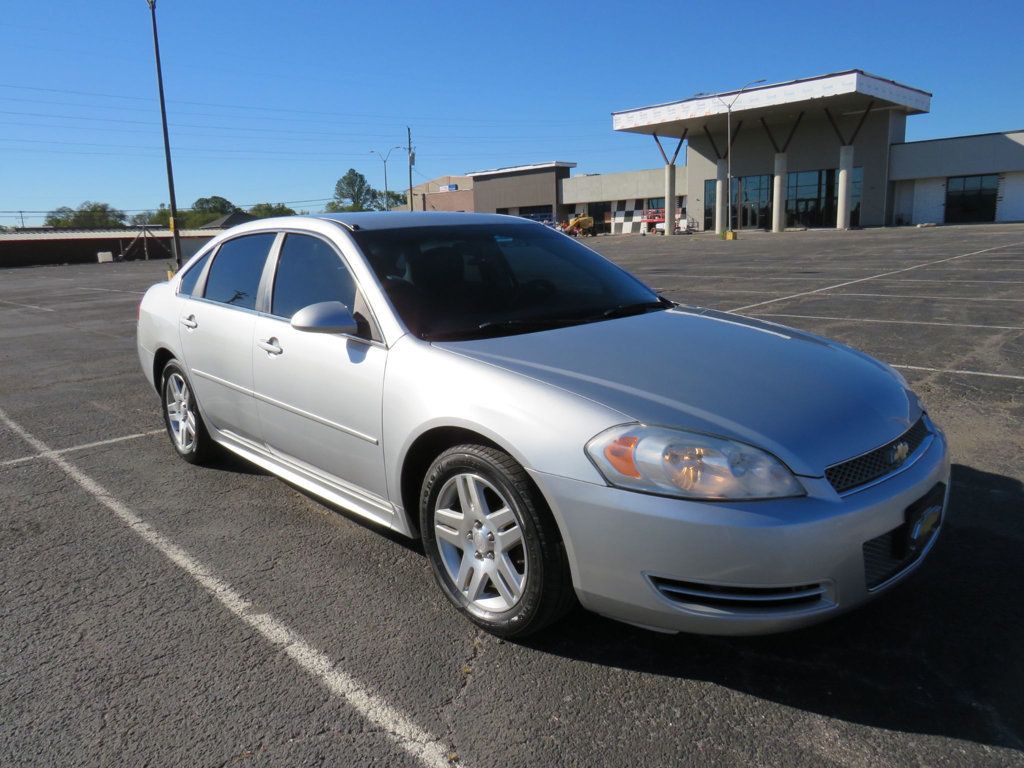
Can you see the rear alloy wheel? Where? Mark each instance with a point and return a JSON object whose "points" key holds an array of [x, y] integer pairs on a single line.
{"points": [[181, 417], [493, 546]]}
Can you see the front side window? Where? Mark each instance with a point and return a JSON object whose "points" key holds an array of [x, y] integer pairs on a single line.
{"points": [[234, 276], [472, 280], [309, 271]]}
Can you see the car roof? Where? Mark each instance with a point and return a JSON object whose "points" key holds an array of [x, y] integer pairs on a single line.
{"points": [[370, 220]]}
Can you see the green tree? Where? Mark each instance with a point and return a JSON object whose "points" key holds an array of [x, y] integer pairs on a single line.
{"points": [[351, 193], [88, 215], [62, 218], [266, 210], [378, 203], [214, 204], [161, 216]]}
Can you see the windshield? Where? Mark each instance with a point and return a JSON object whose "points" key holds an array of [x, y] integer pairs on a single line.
{"points": [[474, 280]]}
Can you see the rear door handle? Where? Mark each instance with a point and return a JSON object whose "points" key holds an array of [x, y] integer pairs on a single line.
{"points": [[190, 322], [269, 346]]}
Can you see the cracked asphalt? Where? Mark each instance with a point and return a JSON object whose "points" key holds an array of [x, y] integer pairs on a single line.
{"points": [[112, 655]]}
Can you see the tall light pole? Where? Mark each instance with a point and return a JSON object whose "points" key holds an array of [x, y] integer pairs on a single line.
{"points": [[384, 159], [176, 239], [728, 150]]}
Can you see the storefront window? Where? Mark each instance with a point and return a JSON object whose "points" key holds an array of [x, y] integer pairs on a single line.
{"points": [[812, 198], [709, 205], [971, 199]]}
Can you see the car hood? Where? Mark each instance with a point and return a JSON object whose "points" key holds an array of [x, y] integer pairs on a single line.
{"points": [[810, 401]]}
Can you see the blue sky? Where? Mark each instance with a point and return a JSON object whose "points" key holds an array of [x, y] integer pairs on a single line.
{"points": [[272, 101]]}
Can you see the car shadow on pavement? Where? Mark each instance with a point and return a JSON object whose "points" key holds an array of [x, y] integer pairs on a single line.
{"points": [[940, 654]]}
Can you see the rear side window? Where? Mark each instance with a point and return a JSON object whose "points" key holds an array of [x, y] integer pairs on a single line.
{"points": [[187, 286], [234, 276], [309, 271]]}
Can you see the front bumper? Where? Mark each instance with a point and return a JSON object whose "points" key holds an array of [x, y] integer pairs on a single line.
{"points": [[745, 567]]}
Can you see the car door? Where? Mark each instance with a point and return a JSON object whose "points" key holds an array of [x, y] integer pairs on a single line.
{"points": [[319, 395], [216, 331]]}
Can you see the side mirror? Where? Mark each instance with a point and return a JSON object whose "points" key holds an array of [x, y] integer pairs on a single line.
{"points": [[325, 317]]}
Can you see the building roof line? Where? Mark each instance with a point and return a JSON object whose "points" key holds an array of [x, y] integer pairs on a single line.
{"points": [[516, 168], [766, 86], [962, 136]]}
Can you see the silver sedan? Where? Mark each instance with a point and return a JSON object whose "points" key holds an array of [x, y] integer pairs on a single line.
{"points": [[551, 428]]}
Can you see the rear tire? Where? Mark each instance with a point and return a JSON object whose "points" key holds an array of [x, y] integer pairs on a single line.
{"points": [[491, 541], [182, 419]]}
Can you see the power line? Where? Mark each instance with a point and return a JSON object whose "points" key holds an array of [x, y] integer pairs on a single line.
{"points": [[491, 137], [293, 110]]}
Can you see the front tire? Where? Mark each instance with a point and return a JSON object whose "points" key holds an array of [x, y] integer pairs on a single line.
{"points": [[182, 419], [492, 543]]}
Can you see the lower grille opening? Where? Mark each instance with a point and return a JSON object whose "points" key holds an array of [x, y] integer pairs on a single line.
{"points": [[739, 598], [886, 556]]}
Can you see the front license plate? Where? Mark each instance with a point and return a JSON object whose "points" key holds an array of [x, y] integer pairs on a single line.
{"points": [[924, 517]]}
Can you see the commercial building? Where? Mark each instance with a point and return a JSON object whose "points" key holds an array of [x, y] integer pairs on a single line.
{"points": [[827, 151], [445, 193], [532, 191]]}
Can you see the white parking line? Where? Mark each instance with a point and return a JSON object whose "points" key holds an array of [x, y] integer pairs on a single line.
{"points": [[84, 446], [917, 296], [108, 290], [26, 306], [957, 370], [897, 322], [429, 750], [818, 279], [875, 277]]}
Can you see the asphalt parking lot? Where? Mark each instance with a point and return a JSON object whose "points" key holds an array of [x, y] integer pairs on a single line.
{"points": [[154, 613]]}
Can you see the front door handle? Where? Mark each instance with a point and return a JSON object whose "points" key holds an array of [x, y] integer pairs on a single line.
{"points": [[270, 346], [190, 322]]}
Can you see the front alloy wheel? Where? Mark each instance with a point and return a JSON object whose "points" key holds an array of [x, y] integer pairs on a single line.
{"points": [[492, 542], [480, 542]]}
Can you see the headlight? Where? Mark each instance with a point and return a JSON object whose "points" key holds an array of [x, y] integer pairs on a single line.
{"points": [[694, 466]]}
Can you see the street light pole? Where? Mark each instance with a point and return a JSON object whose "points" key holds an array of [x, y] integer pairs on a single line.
{"points": [[728, 151], [176, 239], [384, 159]]}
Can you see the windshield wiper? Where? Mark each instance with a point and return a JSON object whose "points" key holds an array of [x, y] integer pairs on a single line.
{"points": [[624, 310], [519, 323], [513, 325]]}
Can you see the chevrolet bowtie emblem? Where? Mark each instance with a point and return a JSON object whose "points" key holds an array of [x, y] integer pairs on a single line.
{"points": [[899, 452]]}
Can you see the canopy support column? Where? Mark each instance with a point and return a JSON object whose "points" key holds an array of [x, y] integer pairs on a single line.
{"points": [[720, 197], [779, 193], [843, 192]]}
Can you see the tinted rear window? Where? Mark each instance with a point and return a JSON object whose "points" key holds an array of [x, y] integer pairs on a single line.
{"points": [[234, 277], [188, 281]]}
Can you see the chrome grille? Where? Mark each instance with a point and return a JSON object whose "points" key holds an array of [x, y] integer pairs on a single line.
{"points": [[874, 464], [739, 598]]}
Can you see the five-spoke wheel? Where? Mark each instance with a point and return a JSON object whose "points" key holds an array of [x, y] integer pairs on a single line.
{"points": [[480, 542], [182, 417], [492, 542]]}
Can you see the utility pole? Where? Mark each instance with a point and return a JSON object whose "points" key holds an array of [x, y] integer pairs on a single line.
{"points": [[176, 242], [412, 160], [22, 214]]}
